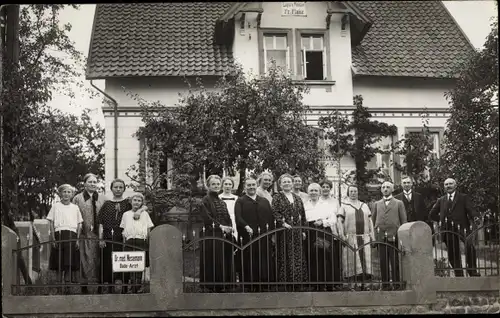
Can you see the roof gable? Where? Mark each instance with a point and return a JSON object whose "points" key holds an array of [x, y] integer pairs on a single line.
{"points": [[406, 38], [157, 39], [409, 38]]}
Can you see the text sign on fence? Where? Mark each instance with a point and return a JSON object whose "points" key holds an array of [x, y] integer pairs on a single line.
{"points": [[133, 261], [293, 8]]}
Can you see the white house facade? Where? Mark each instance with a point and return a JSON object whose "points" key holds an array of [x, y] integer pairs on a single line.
{"points": [[399, 55]]}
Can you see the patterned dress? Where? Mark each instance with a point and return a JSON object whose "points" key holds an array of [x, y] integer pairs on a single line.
{"points": [[292, 263], [358, 229], [110, 216]]}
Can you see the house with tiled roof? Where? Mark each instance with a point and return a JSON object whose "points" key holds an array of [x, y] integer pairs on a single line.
{"points": [[401, 56]]}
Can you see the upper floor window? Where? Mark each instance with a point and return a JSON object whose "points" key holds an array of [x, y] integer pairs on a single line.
{"points": [[313, 57], [276, 48], [303, 53]]}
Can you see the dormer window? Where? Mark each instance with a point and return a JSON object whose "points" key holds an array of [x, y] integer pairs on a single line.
{"points": [[276, 48], [313, 57], [276, 44], [313, 54]]}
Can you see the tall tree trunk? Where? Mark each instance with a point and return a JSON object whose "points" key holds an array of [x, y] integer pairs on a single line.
{"points": [[241, 185], [9, 119]]}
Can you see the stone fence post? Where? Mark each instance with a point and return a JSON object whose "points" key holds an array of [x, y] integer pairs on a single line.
{"points": [[417, 261], [165, 249], [9, 267]]}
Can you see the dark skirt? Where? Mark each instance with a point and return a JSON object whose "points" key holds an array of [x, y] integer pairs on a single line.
{"points": [[139, 245], [107, 275], [216, 262], [65, 256]]}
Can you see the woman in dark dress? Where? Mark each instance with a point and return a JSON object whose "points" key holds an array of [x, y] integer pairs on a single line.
{"points": [[216, 257], [288, 210], [109, 219]]}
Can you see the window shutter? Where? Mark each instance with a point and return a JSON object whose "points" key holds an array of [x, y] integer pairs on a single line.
{"points": [[304, 63], [265, 59], [288, 68], [325, 74]]}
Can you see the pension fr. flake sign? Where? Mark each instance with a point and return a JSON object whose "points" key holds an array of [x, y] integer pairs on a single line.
{"points": [[293, 9], [131, 261]]}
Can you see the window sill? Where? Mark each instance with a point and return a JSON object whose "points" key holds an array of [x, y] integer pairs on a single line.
{"points": [[315, 83]]}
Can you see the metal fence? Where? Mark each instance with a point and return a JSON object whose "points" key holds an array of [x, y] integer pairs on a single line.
{"points": [[471, 251], [302, 258], [72, 271]]}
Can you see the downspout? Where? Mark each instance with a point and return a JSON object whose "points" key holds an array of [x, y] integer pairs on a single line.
{"points": [[115, 109]]}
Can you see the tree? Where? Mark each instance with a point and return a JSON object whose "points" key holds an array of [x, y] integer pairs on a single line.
{"points": [[361, 145], [40, 144], [62, 149], [254, 124], [471, 136]]}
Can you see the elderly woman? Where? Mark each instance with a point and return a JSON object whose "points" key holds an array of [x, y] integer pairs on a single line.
{"points": [[323, 249], [265, 181], [358, 229], [90, 203], [109, 218], [288, 210], [216, 257]]}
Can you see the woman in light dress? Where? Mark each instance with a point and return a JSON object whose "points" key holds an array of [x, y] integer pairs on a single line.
{"points": [[322, 249], [230, 199], [358, 231]]}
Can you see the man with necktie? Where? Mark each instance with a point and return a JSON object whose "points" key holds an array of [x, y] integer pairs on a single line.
{"points": [[388, 215], [413, 201], [455, 212]]}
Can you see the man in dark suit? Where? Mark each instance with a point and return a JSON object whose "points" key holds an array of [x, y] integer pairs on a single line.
{"points": [[452, 210], [388, 215], [413, 201]]}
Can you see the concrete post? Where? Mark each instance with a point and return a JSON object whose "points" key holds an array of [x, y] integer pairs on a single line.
{"points": [[9, 243], [417, 261], [26, 237], [166, 263]]}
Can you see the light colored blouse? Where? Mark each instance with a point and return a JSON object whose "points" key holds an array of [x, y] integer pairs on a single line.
{"points": [[65, 217], [323, 211], [137, 229], [230, 209]]}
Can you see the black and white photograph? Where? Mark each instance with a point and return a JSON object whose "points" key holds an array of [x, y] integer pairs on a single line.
{"points": [[250, 158]]}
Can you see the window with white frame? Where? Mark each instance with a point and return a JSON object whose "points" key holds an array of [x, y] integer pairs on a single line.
{"points": [[383, 161], [435, 134], [276, 47], [313, 57], [435, 142]]}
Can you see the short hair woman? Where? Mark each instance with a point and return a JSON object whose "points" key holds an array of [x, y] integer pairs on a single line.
{"points": [[90, 202], [216, 257], [288, 210]]}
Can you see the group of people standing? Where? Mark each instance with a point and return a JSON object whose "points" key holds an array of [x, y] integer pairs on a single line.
{"points": [[89, 224], [293, 240]]}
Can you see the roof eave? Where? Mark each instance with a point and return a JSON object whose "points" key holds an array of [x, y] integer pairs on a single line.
{"points": [[365, 75], [360, 27], [232, 11]]}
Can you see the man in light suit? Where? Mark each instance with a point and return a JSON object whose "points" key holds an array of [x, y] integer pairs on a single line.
{"points": [[452, 210], [388, 215]]}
